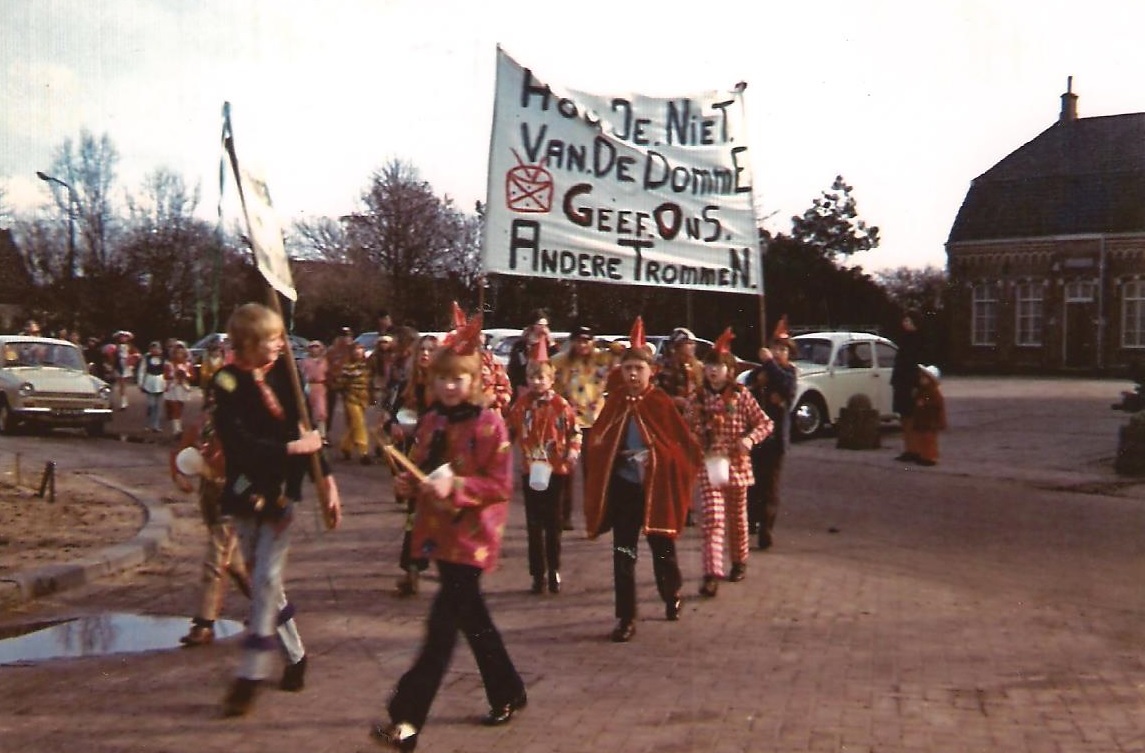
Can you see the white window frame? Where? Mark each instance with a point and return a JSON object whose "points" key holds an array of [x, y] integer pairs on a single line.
{"points": [[1133, 314], [984, 314], [1079, 291], [1029, 309]]}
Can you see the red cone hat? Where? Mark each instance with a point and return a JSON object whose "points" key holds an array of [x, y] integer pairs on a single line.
{"points": [[723, 344], [466, 339], [540, 352], [636, 336], [457, 317], [781, 333]]}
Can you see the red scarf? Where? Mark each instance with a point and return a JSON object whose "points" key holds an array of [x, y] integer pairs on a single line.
{"points": [[269, 399]]}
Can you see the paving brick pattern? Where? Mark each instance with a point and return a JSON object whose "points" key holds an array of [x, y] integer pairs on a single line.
{"points": [[993, 603]]}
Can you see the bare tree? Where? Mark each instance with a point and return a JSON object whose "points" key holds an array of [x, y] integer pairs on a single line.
{"points": [[42, 246], [88, 170], [408, 234], [167, 253], [320, 239]]}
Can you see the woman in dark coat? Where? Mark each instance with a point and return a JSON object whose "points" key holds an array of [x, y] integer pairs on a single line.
{"points": [[904, 381]]}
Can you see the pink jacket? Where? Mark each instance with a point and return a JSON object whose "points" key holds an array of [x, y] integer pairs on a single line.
{"points": [[467, 527]]}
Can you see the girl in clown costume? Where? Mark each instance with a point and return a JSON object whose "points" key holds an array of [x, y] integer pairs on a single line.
{"points": [[728, 422]]}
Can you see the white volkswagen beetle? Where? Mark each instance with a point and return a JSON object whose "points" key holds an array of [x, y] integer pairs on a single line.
{"points": [[45, 381], [833, 366]]}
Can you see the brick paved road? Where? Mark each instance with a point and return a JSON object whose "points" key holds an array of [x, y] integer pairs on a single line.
{"points": [[990, 604]]}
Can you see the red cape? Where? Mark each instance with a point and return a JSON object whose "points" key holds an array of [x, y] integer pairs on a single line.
{"points": [[674, 461]]}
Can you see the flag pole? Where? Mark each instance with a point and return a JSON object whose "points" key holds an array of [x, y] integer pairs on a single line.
{"points": [[276, 306], [763, 340]]}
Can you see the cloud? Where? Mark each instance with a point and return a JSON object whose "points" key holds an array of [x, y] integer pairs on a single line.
{"points": [[39, 98]]}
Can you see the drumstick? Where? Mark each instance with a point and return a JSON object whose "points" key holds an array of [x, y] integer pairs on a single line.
{"points": [[383, 442], [405, 462]]}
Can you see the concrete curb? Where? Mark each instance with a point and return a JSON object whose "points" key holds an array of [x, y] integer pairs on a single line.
{"points": [[31, 584]]}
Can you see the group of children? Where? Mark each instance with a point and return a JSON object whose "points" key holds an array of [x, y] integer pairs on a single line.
{"points": [[165, 376], [642, 450]]}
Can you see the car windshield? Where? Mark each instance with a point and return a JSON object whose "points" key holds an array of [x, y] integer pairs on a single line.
{"points": [[812, 350], [206, 342], [502, 348], [43, 354]]}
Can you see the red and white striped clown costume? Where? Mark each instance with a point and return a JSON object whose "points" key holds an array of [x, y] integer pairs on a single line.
{"points": [[720, 420]]}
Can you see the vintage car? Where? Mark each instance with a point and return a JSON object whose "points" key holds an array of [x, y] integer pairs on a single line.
{"points": [[199, 349], [659, 345], [504, 345], [832, 367], [45, 382]]}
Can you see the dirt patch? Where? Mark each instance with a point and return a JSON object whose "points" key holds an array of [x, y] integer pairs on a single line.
{"points": [[85, 516]]}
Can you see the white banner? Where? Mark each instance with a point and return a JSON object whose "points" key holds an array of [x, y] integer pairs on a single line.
{"points": [[266, 234], [625, 189], [262, 222]]}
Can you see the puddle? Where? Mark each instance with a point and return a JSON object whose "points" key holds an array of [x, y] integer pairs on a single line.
{"points": [[98, 635]]}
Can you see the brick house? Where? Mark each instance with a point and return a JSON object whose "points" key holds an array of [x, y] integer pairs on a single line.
{"points": [[1046, 258]]}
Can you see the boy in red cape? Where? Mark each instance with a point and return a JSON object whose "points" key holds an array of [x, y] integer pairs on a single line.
{"points": [[642, 464]]}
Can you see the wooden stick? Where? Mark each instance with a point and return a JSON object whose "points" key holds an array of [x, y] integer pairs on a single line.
{"points": [[303, 412], [384, 442], [405, 462]]}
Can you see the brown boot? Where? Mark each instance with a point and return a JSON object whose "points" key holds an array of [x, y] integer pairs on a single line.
{"points": [[407, 585], [240, 697], [294, 676], [199, 635]]}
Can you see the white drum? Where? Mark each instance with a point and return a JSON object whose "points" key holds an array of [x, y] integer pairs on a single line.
{"points": [[406, 418], [719, 470], [189, 461], [539, 474]]}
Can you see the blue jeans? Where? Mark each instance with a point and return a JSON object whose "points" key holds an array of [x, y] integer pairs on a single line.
{"points": [[271, 615], [154, 403]]}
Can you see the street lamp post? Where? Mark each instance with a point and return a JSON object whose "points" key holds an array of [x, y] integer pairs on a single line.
{"points": [[72, 201]]}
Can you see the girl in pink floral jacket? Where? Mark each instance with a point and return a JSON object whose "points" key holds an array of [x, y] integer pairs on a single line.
{"points": [[462, 506]]}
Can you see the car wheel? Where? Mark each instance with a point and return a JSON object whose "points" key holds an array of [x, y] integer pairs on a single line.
{"points": [[7, 420], [808, 417]]}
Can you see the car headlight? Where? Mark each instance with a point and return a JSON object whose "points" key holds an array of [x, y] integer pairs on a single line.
{"points": [[105, 392], [26, 390]]}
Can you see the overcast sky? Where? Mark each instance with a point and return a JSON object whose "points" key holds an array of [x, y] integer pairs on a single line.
{"points": [[909, 100]]}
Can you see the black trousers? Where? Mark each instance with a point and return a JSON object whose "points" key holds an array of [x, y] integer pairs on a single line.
{"points": [[543, 524], [459, 605], [763, 496], [626, 514], [406, 560]]}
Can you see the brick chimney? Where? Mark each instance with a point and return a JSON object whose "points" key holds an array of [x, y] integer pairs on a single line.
{"points": [[1069, 103]]}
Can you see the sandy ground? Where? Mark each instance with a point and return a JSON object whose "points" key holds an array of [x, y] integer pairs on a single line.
{"points": [[85, 516]]}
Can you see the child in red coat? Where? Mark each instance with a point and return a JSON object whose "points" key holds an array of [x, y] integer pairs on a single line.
{"points": [[929, 415]]}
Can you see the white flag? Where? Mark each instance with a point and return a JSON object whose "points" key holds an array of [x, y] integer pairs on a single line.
{"points": [[266, 234], [262, 222]]}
